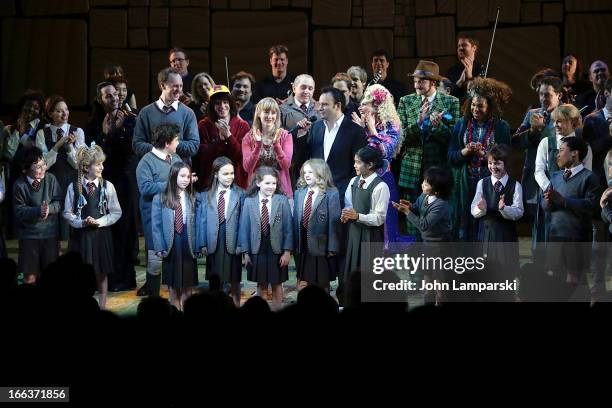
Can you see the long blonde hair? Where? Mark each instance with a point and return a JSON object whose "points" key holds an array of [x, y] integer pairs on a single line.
{"points": [[85, 157], [567, 112], [266, 105], [322, 173], [382, 101]]}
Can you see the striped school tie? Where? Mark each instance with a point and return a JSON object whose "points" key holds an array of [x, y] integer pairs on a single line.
{"points": [[265, 218], [178, 218], [498, 186], [307, 209], [91, 188], [36, 185], [221, 206]]}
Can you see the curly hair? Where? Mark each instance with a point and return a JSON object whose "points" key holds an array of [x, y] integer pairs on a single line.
{"points": [[497, 94], [382, 101], [85, 157]]}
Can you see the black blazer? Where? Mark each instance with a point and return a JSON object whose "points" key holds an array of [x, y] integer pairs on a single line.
{"points": [[597, 134], [350, 138]]}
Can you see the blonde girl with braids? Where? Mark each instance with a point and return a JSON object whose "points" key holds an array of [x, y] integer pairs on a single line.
{"points": [[91, 207]]}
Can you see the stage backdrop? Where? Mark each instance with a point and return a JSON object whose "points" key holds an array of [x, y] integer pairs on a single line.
{"points": [[61, 46]]}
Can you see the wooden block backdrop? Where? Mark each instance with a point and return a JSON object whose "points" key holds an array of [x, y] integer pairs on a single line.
{"points": [[61, 46]]}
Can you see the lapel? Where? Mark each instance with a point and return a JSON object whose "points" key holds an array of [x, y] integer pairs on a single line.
{"points": [[274, 208], [318, 200], [233, 203], [255, 213], [300, 197], [438, 104]]}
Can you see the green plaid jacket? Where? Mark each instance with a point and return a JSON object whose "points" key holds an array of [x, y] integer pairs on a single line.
{"points": [[417, 154]]}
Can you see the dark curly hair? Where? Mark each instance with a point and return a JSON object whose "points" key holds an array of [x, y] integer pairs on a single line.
{"points": [[497, 94]]}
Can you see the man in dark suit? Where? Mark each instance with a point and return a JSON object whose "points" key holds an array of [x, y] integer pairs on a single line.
{"points": [[594, 98], [336, 138]]}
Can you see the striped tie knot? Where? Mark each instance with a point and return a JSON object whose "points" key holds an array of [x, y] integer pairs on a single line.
{"points": [[361, 183], [498, 186], [36, 185], [567, 174], [60, 133], [167, 109], [91, 188]]}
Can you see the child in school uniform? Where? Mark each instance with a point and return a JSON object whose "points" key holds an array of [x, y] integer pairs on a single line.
{"points": [[316, 223], [152, 176], [266, 234], [430, 215], [365, 209], [498, 204], [37, 203], [174, 236], [91, 207], [59, 142], [217, 226], [571, 202]]}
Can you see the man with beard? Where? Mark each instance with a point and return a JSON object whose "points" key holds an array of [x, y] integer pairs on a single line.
{"points": [[167, 109], [594, 99], [278, 85], [428, 118], [380, 65], [467, 68], [112, 129], [242, 90]]}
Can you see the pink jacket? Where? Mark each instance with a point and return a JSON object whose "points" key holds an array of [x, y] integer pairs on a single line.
{"points": [[283, 150]]}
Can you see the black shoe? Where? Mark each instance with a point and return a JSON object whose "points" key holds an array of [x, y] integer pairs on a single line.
{"points": [[143, 291]]}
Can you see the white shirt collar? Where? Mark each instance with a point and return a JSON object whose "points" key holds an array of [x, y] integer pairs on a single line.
{"points": [[65, 127], [577, 169], [160, 104], [336, 124], [431, 199], [31, 180], [368, 179], [220, 188], [503, 180], [159, 153], [86, 181], [298, 104], [559, 137], [261, 197], [429, 98]]}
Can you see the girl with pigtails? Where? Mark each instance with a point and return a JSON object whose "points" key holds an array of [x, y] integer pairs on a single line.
{"points": [[91, 207]]}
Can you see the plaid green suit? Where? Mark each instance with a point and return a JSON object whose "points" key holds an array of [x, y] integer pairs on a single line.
{"points": [[421, 152]]}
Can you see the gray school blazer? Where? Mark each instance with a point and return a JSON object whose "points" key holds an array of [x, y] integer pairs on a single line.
{"points": [[207, 220], [323, 224], [162, 219], [281, 231]]}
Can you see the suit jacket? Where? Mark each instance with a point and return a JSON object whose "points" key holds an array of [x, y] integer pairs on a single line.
{"points": [[162, 219], [291, 114], [596, 133], [249, 230], [207, 220], [421, 150], [349, 139], [323, 223]]}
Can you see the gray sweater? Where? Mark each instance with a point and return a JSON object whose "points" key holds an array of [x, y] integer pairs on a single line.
{"points": [[572, 218], [433, 220], [150, 117], [27, 202], [152, 176]]}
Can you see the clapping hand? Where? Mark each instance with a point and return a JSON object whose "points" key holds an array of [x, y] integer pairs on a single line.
{"points": [[502, 204], [44, 210], [348, 214], [482, 204], [403, 206], [357, 119], [224, 130]]}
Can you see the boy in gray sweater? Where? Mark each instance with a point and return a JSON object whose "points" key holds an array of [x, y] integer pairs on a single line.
{"points": [[37, 202], [572, 200]]}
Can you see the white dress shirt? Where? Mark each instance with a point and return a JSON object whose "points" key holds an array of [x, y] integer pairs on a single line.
{"points": [[160, 154], [510, 212], [268, 206], [379, 203], [575, 170], [226, 197], [114, 209], [330, 136], [50, 156], [183, 198], [160, 104], [15, 137], [541, 162], [430, 99]]}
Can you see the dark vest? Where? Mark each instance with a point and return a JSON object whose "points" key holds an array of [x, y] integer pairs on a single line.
{"points": [[91, 209], [362, 203], [496, 227]]}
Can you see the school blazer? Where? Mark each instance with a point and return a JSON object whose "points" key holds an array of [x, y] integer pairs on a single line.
{"points": [[163, 226], [323, 223], [207, 220], [281, 231]]}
